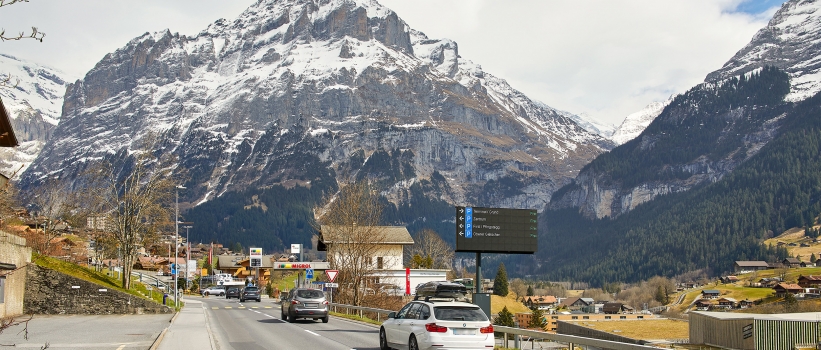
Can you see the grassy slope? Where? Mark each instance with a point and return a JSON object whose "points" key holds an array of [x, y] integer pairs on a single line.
{"points": [[510, 301], [642, 329], [92, 276]]}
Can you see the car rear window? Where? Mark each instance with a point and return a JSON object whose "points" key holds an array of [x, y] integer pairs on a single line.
{"points": [[251, 289], [309, 294], [459, 313]]}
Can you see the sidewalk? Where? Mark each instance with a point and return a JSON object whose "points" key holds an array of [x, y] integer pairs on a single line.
{"points": [[188, 330]]}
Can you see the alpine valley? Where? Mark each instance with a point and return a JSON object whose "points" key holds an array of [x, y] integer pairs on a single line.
{"points": [[269, 112], [725, 165]]}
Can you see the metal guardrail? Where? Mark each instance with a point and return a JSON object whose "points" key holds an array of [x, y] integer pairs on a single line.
{"points": [[518, 332]]}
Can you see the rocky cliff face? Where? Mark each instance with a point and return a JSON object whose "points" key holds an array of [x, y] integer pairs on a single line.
{"points": [[790, 42], [33, 100], [293, 88]]}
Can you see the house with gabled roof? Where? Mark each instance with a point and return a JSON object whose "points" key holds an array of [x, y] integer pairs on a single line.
{"points": [[710, 293], [744, 266], [782, 289], [543, 302], [809, 281], [791, 262]]}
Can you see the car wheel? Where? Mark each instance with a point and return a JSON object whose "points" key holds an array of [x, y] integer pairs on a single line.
{"points": [[283, 316], [412, 345], [242, 300], [291, 319], [383, 340], [326, 319], [259, 300]]}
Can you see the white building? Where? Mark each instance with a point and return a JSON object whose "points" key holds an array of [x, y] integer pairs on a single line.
{"points": [[387, 258]]}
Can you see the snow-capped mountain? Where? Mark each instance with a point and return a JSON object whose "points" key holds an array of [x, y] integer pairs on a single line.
{"points": [[33, 98], [635, 123], [791, 41], [692, 142], [293, 87]]}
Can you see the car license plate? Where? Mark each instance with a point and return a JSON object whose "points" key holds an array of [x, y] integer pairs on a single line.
{"points": [[312, 306], [464, 331]]}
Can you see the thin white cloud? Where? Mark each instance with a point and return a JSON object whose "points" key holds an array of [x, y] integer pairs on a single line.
{"points": [[604, 58]]}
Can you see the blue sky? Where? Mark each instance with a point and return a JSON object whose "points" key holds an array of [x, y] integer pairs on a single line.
{"points": [[755, 7], [600, 58]]}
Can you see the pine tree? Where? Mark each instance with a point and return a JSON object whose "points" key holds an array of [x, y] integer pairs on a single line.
{"points": [[530, 291], [505, 318], [537, 320], [813, 258], [500, 283]]}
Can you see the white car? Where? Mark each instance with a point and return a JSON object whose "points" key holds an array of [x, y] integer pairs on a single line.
{"points": [[437, 324]]}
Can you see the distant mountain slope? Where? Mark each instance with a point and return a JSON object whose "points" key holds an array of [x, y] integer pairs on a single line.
{"points": [[635, 123], [708, 227], [298, 92], [791, 41], [34, 101]]}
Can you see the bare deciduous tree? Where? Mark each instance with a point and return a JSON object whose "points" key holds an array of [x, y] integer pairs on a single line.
{"points": [[136, 199], [519, 287], [432, 251], [53, 201], [348, 223], [6, 79]]}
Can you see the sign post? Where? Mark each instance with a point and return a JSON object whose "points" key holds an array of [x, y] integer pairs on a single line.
{"points": [[255, 261], [331, 277], [495, 230]]}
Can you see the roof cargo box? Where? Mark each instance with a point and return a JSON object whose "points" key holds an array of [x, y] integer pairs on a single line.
{"points": [[441, 289]]}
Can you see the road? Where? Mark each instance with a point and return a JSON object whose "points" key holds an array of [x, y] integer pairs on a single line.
{"points": [[257, 326]]}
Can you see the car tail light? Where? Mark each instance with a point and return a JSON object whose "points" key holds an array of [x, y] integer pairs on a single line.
{"points": [[488, 329], [435, 328], [325, 302], [295, 302]]}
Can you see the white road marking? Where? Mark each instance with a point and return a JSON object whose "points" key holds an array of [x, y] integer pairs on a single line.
{"points": [[313, 333]]}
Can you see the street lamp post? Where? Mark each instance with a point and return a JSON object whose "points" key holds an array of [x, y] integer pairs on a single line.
{"points": [[187, 254], [176, 245]]}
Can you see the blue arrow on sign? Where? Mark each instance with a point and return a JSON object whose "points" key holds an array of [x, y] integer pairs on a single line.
{"points": [[309, 274]]}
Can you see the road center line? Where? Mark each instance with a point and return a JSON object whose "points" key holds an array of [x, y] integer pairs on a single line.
{"points": [[312, 333]]}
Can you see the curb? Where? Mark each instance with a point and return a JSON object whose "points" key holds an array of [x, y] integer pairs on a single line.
{"points": [[162, 334]]}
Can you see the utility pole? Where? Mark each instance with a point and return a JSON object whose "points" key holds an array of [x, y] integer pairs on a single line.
{"points": [[176, 244]]}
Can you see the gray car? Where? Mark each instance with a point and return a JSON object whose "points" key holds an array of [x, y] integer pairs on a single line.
{"points": [[304, 303]]}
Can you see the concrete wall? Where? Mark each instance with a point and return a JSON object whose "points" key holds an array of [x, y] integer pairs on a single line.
{"points": [[13, 250], [729, 333], [51, 292]]}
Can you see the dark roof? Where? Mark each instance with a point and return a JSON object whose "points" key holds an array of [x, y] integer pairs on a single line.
{"points": [[380, 234], [612, 307], [7, 138], [792, 260], [710, 291], [810, 278]]}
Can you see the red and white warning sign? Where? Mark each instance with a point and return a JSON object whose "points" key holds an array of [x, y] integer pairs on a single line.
{"points": [[331, 274]]}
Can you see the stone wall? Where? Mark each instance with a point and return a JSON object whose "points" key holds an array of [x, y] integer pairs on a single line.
{"points": [[52, 292], [571, 328], [13, 251]]}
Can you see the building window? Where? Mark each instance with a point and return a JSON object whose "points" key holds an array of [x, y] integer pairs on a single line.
{"points": [[585, 317], [554, 317], [641, 317], [379, 264], [606, 317], [575, 317], [623, 317]]}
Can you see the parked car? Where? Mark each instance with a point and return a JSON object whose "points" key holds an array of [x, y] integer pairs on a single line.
{"points": [[304, 303], [232, 292], [445, 324], [214, 290], [391, 289], [250, 292]]}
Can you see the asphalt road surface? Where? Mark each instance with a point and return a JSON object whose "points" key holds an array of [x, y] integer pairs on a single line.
{"points": [[258, 326]]}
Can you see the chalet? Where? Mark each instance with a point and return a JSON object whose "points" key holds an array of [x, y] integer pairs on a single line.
{"points": [[614, 308], [809, 281], [775, 265], [710, 293], [729, 279], [746, 266], [783, 288], [791, 262], [726, 303], [543, 302], [575, 303], [704, 304], [746, 303], [153, 263]]}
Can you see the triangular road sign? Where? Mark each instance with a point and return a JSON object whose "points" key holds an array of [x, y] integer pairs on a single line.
{"points": [[331, 274]]}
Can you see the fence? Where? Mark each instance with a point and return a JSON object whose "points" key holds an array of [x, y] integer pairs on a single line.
{"points": [[518, 333]]}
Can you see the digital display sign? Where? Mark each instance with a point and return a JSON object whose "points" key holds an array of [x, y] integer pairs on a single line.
{"points": [[496, 230]]}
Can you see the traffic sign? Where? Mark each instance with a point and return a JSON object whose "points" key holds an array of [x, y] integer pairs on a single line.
{"points": [[309, 274], [332, 285], [331, 274], [496, 230]]}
